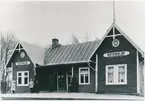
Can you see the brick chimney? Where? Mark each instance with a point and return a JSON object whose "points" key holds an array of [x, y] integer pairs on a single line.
{"points": [[55, 43]]}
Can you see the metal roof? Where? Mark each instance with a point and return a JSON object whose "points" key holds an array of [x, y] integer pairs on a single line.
{"points": [[36, 53], [73, 53]]}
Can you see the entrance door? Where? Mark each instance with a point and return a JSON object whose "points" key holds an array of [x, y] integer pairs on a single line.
{"points": [[62, 81]]}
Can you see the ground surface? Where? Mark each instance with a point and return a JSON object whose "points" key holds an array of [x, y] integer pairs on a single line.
{"points": [[70, 96]]}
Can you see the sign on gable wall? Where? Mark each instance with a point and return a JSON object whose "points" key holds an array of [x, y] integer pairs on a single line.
{"points": [[116, 54], [23, 63]]}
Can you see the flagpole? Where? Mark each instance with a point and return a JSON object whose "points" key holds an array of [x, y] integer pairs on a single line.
{"points": [[113, 11], [113, 19]]}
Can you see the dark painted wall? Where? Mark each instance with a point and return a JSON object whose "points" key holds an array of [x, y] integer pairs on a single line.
{"points": [[43, 73], [85, 88], [130, 60], [16, 58]]}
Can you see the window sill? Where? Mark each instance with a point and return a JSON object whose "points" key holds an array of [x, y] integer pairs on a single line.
{"points": [[22, 85], [84, 83]]}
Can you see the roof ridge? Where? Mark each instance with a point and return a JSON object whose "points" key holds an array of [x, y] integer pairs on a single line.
{"points": [[79, 43], [70, 53]]}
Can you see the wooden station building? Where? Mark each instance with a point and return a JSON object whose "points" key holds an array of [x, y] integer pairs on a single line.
{"points": [[113, 64]]}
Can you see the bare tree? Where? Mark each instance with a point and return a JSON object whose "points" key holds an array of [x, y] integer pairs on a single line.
{"points": [[7, 44], [86, 37], [74, 39], [97, 39]]}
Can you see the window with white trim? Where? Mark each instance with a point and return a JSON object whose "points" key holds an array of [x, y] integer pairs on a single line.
{"points": [[116, 74], [84, 75], [22, 78]]}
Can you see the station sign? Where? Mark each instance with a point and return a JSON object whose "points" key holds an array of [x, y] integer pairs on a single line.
{"points": [[23, 63], [116, 54]]}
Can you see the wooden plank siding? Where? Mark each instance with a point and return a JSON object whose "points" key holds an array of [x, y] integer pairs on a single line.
{"points": [[16, 58], [43, 73], [130, 60], [85, 88]]}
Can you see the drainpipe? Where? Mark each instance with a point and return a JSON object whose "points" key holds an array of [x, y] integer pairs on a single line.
{"points": [[72, 71]]}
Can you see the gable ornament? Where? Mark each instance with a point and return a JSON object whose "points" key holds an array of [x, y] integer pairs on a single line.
{"points": [[115, 43]]}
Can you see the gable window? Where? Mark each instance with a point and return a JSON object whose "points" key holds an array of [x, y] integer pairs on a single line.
{"points": [[84, 75], [22, 78], [116, 74]]}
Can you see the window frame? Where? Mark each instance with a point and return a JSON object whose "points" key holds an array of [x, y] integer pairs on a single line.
{"points": [[23, 78], [84, 76], [116, 74]]}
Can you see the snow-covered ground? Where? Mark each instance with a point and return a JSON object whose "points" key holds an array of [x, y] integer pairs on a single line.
{"points": [[71, 95]]}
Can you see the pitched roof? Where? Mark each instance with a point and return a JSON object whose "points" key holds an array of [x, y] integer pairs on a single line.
{"points": [[114, 25], [74, 53], [36, 53]]}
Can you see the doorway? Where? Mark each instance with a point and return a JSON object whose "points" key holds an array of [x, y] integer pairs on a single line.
{"points": [[62, 85]]}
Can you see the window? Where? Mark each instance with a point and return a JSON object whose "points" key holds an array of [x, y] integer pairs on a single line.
{"points": [[116, 74], [84, 75], [110, 74], [22, 78]]}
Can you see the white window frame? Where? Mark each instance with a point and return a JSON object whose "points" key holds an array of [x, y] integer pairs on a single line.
{"points": [[116, 72], [84, 74], [22, 78]]}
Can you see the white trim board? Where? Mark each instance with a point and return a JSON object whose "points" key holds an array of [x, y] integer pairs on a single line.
{"points": [[96, 74], [12, 54], [137, 71], [121, 32]]}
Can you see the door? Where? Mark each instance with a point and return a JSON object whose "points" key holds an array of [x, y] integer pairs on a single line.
{"points": [[62, 81], [69, 80]]}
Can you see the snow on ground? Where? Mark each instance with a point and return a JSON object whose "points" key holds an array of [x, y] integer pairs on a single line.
{"points": [[72, 95]]}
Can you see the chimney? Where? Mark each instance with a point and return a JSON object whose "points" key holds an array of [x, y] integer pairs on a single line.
{"points": [[55, 42]]}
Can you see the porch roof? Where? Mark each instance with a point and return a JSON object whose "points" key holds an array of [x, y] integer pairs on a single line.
{"points": [[70, 54]]}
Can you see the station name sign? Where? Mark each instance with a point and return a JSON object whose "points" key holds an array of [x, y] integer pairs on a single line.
{"points": [[23, 63], [116, 54]]}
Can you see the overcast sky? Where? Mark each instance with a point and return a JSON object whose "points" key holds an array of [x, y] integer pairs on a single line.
{"points": [[39, 22]]}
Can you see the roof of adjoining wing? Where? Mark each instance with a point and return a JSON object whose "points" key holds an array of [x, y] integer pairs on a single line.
{"points": [[36, 53], [74, 53]]}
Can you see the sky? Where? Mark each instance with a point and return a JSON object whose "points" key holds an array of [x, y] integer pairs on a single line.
{"points": [[38, 22]]}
